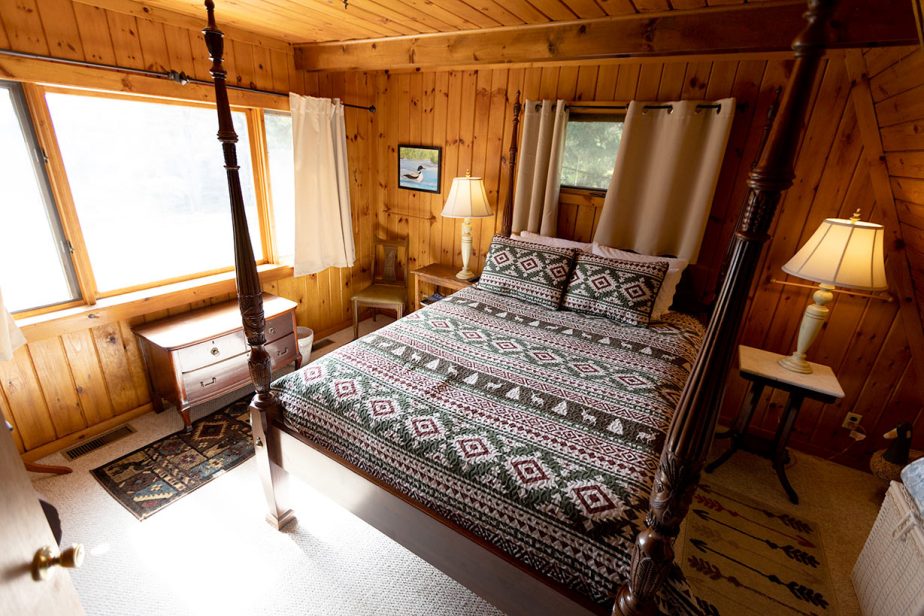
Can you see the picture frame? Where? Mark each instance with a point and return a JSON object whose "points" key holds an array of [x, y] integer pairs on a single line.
{"points": [[420, 167]]}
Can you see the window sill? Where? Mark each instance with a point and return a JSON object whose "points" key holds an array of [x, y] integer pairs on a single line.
{"points": [[138, 303]]}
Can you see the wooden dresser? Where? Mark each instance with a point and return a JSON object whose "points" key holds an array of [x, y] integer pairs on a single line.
{"points": [[201, 355]]}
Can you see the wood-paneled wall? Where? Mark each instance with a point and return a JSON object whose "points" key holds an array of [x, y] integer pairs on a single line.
{"points": [[467, 113], [62, 388]]}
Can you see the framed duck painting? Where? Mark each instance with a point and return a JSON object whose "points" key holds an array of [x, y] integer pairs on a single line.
{"points": [[419, 167]]}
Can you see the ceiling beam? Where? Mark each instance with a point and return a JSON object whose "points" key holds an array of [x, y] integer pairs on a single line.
{"points": [[737, 29]]}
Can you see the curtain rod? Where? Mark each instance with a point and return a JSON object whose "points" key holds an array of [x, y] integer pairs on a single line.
{"points": [[175, 76], [646, 107]]}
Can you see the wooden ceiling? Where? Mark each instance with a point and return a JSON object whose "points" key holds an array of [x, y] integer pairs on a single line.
{"points": [[306, 21]]}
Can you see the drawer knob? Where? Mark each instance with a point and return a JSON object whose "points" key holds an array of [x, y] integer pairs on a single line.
{"points": [[215, 351], [271, 330], [206, 384]]}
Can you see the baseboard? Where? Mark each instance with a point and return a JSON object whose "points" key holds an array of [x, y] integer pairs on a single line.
{"points": [[87, 433]]}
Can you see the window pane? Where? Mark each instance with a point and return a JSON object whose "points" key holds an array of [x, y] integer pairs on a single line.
{"points": [[149, 187], [282, 181], [34, 268], [590, 153]]}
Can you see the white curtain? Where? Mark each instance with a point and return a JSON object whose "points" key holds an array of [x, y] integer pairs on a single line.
{"points": [[323, 223], [666, 171], [535, 202], [10, 336]]}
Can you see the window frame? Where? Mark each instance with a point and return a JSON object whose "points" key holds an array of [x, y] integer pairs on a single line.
{"points": [[39, 160], [592, 112], [268, 177], [65, 205]]}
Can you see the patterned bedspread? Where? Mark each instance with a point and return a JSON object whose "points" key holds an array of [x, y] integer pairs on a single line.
{"points": [[537, 430]]}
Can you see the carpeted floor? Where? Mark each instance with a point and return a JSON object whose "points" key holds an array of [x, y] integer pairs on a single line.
{"points": [[211, 553]]}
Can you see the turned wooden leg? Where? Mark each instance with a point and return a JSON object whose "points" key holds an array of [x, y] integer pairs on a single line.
{"points": [[355, 320], [34, 467], [187, 424], [653, 554]]}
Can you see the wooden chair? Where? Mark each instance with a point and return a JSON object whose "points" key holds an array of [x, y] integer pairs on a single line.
{"points": [[389, 291]]}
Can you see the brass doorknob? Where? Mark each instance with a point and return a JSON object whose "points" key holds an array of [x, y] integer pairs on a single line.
{"points": [[45, 559]]}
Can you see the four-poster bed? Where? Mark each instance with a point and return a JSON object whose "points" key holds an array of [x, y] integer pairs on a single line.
{"points": [[294, 434]]}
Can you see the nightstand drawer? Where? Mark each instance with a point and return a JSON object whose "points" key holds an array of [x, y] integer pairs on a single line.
{"points": [[211, 351], [282, 351], [223, 376], [278, 327]]}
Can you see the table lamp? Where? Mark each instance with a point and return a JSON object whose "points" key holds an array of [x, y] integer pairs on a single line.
{"points": [[841, 253], [467, 199]]}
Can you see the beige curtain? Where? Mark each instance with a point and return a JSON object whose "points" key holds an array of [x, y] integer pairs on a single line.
{"points": [[535, 202], [666, 171], [323, 222]]}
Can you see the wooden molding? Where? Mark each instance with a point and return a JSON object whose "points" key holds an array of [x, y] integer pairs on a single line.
{"points": [[87, 433], [765, 27], [51, 73], [898, 266], [135, 304]]}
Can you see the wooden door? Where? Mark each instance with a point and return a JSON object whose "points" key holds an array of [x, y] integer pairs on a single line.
{"points": [[23, 531]]}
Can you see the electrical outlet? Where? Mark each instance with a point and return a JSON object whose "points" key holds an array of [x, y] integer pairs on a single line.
{"points": [[851, 421]]}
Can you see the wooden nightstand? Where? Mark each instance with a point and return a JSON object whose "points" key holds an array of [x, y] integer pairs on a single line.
{"points": [[438, 275], [761, 368], [201, 355]]}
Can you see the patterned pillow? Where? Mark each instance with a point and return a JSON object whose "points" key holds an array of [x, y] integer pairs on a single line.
{"points": [[624, 291], [527, 271]]}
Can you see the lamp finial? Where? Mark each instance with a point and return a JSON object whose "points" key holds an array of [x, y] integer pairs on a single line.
{"points": [[856, 216]]}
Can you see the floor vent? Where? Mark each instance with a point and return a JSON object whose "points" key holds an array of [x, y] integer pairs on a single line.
{"points": [[103, 439], [320, 344]]}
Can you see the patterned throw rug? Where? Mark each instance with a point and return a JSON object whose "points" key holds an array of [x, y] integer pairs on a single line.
{"points": [[148, 479], [745, 557]]}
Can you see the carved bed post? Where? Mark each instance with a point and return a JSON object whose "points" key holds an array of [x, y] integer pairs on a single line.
{"points": [[507, 220], [263, 407], [691, 431]]}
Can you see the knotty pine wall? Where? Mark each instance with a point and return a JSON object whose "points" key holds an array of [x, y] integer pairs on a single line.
{"points": [[62, 388], [467, 113], [897, 89]]}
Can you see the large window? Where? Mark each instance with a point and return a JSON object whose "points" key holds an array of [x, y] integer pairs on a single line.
{"points": [[35, 263], [591, 142], [282, 181], [148, 187]]}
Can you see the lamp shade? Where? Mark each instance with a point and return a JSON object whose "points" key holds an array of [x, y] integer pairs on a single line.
{"points": [[842, 253], [467, 199]]}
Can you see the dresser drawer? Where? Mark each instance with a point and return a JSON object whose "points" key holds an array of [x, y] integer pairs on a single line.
{"points": [[211, 351], [282, 351], [207, 382], [278, 327]]}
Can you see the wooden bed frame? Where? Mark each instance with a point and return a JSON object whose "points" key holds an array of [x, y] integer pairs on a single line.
{"points": [[484, 569]]}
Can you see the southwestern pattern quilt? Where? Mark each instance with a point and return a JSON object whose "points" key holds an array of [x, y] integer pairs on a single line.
{"points": [[537, 430]]}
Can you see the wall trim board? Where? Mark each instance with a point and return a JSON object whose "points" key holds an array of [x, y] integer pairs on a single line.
{"points": [[139, 303], [718, 30], [87, 433]]}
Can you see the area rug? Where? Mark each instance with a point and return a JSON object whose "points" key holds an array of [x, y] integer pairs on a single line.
{"points": [[151, 478], [745, 557]]}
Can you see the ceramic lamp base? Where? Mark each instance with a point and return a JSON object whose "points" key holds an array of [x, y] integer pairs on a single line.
{"points": [[812, 320], [796, 364], [466, 274]]}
